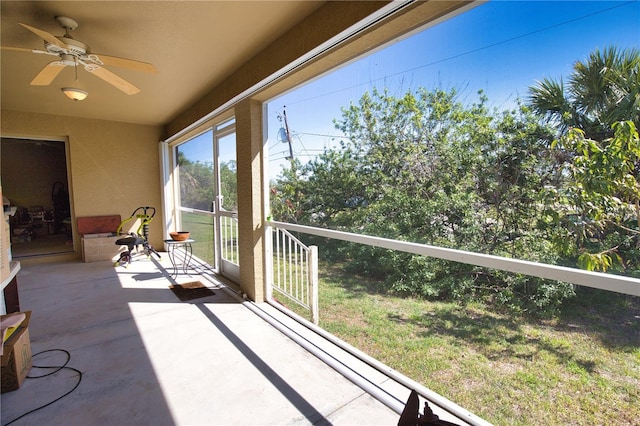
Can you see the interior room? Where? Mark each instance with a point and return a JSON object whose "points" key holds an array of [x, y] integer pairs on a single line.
{"points": [[34, 181]]}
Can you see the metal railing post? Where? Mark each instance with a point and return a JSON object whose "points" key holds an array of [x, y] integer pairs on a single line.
{"points": [[313, 283]]}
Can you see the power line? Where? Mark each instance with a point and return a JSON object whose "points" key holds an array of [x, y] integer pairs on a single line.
{"points": [[304, 149], [319, 134], [469, 52], [307, 153], [515, 38], [275, 146], [313, 150]]}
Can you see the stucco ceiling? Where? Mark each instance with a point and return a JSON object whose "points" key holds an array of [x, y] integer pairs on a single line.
{"points": [[194, 45]]}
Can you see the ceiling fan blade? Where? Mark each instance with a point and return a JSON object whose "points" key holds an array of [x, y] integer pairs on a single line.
{"points": [[22, 49], [125, 63], [113, 79], [48, 73], [16, 49], [46, 36]]}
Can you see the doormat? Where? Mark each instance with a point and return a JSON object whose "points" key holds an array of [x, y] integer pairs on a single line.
{"points": [[191, 290]]}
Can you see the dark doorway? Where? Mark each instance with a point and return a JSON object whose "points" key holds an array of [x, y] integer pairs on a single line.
{"points": [[34, 181]]}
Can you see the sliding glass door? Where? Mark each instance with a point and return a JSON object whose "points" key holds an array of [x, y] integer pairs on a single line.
{"points": [[206, 196], [226, 203]]}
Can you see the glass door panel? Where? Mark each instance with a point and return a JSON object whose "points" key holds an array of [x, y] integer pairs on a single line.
{"points": [[196, 194], [227, 212], [207, 197]]}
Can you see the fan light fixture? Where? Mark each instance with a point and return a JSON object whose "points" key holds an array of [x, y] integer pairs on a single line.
{"points": [[74, 94]]}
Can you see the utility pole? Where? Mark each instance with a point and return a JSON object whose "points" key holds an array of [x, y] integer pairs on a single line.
{"points": [[286, 129]]}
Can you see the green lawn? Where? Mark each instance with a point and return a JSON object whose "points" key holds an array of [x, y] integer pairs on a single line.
{"points": [[202, 231], [580, 369]]}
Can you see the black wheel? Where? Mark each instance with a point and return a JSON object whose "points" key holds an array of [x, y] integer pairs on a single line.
{"points": [[124, 260]]}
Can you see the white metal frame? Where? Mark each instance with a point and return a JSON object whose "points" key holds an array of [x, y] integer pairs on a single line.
{"points": [[172, 204], [610, 282], [227, 267]]}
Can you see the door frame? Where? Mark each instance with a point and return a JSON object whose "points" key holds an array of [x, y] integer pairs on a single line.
{"points": [[75, 246], [172, 203], [224, 218]]}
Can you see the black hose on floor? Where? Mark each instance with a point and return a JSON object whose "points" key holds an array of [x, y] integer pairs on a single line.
{"points": [[55, 368]]}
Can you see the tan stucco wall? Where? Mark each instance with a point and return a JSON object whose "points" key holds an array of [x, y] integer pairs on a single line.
{"points": [[114, 167], [251, 213]]}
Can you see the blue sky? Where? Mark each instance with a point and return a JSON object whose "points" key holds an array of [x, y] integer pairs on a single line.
{"points": [[501, 47]]}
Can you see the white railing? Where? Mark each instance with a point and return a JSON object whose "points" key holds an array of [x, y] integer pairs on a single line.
{"points": [[295, 271], [610, 282], [229, 238]]}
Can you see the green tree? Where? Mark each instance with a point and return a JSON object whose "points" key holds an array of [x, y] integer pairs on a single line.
{"points": [[600, 91], [286, 197], [600, 155], [196, 183], [606, 190], [229, 185], [426, 168]]}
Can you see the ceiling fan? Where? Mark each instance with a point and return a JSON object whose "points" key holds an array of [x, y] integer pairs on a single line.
{"points": [[74, 53]]}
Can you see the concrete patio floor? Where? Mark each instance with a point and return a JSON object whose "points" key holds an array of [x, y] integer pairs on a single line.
{"points": [[148, 358]]}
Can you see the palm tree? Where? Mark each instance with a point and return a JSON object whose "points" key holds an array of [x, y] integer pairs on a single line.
{"points": [[599, 92]]}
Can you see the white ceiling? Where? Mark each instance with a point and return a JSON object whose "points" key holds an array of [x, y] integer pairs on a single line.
{"points": [[194, 45]]}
